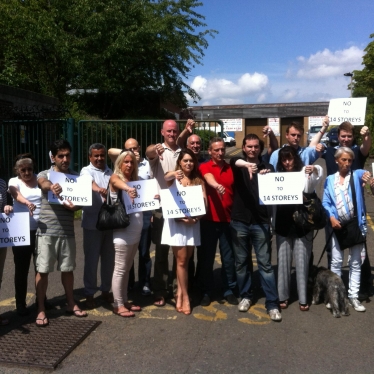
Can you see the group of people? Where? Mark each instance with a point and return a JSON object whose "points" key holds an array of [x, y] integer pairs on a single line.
{"points": [[234, 219]]}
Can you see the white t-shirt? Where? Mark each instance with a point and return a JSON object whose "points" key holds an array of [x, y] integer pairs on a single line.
{"points": [[33, 195]]}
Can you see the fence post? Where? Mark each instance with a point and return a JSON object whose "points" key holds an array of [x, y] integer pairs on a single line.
{"points": [[70, 124]]}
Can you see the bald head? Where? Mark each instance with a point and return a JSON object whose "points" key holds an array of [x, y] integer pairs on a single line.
{"points": [[170, 133], [131, 144], [194, 143]]}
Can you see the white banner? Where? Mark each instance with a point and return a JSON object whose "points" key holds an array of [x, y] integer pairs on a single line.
{"points": [[77, 189], [281, 188], [145, 199], [14, 229], [273, 123], [315, 121], [178, 201], [352, 110], [232, 124]]}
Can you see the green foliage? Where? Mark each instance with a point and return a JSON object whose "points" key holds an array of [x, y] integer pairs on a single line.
{"points": [[119, 49], [205, 136]]}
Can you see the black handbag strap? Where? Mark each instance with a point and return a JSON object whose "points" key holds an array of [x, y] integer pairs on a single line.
{"points": [[109, 198], [351, 183]]}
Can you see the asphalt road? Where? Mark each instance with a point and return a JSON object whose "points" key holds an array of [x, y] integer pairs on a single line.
{"points": [[217, 338]]}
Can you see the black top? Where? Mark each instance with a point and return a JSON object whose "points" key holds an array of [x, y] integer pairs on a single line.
{"points": [[332, 166], [246, 207]]}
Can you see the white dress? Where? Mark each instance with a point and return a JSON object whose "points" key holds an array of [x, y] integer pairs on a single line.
{"points": [[180, 234]]}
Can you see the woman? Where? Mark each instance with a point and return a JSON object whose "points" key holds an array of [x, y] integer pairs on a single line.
{"points": [[125, 240], [290, 239], [4, 209], [338, 202], [183, 234], [26, 198]]}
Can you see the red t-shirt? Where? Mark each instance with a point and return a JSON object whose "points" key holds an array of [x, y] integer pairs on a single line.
{"points": [[219, 206]]}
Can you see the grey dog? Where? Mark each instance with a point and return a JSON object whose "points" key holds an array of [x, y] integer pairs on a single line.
{"points": [[331, 287]]}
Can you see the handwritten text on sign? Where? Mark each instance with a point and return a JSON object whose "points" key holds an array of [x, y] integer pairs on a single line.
{"points": [[352, 110], [281, 188], [179, 201], [77, 189], [146, 191], [14, 229]]}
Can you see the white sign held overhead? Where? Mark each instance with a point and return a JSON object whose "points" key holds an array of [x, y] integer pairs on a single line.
{"points": [[178, 201], [145, 199], [281, 188], [352, 110], [273, 123], [14, 229], [232, 124], [77, 189]]}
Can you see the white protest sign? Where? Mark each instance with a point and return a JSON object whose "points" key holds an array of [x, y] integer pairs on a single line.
{"points": [[273, 123], [178, 201], [145, 199], [77, 189], [14, 229], [281, 188], [232, 124], [352, 110]]}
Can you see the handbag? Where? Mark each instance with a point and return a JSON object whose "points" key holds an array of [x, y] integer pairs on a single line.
{"points": [[311, 215], [350, 234], [112, 215]]}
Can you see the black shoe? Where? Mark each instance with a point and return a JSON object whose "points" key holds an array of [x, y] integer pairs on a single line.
{"points": [[205, 301], [22, 311], [231, 299]]}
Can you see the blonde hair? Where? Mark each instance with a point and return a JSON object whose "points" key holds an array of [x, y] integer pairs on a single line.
{"points": [[119, 162]]}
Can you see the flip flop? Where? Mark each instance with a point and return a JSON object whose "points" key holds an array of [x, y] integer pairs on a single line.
{"points": [[304, 307], [124, 313], [44, 324], [283, 304], [133, 308], [76, 313], [159, 301]]}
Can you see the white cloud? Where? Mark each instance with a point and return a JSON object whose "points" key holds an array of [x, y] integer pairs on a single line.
{"points": [[226, 91], [326, 63]]}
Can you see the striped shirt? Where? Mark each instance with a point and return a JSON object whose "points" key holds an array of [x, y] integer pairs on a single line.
{"points": [[55, 219]]}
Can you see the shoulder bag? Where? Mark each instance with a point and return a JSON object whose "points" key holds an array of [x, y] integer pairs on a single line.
{"points": [[112, 215]]}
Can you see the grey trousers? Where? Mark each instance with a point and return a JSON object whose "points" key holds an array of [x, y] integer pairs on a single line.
{"points": [[302, 249], [97, 245]]}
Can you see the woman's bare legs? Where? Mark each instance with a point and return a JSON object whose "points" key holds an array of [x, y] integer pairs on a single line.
{"points": [[182, 256]]}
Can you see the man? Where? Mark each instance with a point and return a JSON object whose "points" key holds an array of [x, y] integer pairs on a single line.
{"points": [[162, 158], [97, 244], [346, 139], [215, 226], [145, 261], [191, 141], [294, 133], [55, 241], [250, 225]]}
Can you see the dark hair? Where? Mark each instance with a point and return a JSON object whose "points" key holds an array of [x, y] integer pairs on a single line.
{"points": [[296, 125], [195, 173], [95, 146], [252, 137], [289, 152], [215, 139], [59, 144]]}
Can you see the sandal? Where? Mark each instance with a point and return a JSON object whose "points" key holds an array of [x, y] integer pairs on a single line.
{"points": [[159, 301], [304, 307], [124, 313], [133, 308], [77, 313], [44, 323], [283, 304]]}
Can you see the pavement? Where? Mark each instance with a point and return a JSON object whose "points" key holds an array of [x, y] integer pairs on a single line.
{"points": [[214, 339]]}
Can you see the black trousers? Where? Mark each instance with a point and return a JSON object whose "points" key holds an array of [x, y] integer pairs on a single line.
{"points": [[22, 258]]}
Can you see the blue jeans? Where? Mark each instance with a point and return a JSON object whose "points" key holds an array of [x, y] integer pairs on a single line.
{"points": [[243, 237], [211, 233]]}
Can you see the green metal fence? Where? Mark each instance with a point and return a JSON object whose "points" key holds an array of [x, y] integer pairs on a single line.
{"points": [[114, 133]]}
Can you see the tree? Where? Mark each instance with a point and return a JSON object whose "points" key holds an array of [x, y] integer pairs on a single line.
{"points": [[118, 48]]}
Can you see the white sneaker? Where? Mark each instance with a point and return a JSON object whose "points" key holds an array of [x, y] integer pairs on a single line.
{"points": [[244, 305], [328, 306], [275, 315], [357, 306]]}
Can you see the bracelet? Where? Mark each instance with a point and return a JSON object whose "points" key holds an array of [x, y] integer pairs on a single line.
{"points": [[321, 132]]}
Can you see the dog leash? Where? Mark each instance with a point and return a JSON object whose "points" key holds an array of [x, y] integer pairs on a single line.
{"points": [[325, 247]]}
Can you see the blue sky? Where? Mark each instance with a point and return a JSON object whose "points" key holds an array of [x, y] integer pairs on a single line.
{"points": [[281, 51]]}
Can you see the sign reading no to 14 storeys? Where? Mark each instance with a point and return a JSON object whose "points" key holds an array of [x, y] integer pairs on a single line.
{"points": [[178, 201], [281, 188], [352, 110], [14, 229], [77, 189], [145, 199]]}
